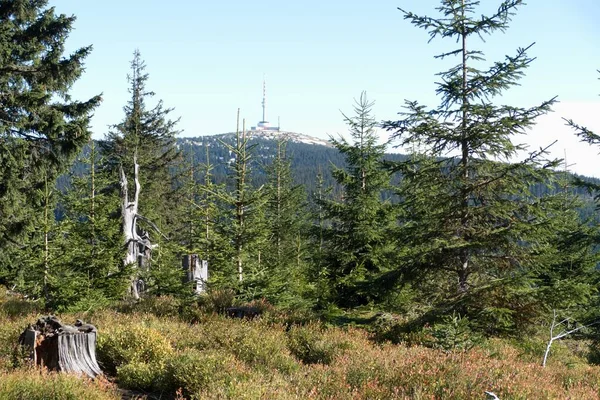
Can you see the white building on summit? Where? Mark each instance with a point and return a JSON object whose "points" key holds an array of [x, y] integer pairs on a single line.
{"points": [[264, 125]]}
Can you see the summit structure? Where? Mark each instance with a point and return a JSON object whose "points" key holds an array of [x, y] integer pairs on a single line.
{"points": [[264, 125]]}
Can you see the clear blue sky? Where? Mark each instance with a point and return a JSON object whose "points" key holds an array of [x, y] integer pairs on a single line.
{"points": [[206, 59]]}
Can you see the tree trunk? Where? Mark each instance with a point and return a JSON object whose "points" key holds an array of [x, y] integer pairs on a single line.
{"points": [[129, 212]]}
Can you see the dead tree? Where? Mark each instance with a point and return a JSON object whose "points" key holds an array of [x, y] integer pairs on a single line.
{"points": [[137, 245], [564, 331], [196, 272]]}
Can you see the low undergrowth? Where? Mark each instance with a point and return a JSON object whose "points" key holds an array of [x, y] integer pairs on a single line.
{"points": [[153, 351]]}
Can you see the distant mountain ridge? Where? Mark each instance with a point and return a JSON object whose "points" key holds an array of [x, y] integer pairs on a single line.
{"points": [[309, 156], [290, 137]]}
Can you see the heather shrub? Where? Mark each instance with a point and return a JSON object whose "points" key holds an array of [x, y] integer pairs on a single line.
{"points": [[309, 344], [254, 342], [394, 329], [131, 344], [42, 385], [141, 375], [9, 336], [262, 347], [18, 307], [195, 372], [217, 300], [160, 306], [261, 306]]}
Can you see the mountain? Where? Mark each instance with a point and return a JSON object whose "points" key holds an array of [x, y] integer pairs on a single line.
{"points": [[309, 156]]}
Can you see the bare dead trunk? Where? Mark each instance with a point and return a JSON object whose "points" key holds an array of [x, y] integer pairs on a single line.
{"points": [[129, 210]]}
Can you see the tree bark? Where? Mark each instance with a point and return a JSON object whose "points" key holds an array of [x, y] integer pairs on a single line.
{"points": [[129, 210]]}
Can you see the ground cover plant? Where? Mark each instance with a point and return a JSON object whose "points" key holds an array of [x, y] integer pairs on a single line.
{"points": [[162, 356]]}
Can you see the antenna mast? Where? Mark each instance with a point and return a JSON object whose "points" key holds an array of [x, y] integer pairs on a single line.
{"points": [[264, 102]]}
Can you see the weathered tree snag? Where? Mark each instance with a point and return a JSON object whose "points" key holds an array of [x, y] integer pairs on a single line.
{"points": [[129, 211], [138, 245], [59, 347], [196, 272]]}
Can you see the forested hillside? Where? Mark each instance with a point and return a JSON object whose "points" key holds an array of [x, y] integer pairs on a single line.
{"points": [[307, 161], [455, 246]]}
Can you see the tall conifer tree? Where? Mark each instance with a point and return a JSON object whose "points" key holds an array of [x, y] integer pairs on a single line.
{"points": [[358, 242], [285, 252], [242, 219], [90, 272], [42, 128], [148, 136], [471, 223]]}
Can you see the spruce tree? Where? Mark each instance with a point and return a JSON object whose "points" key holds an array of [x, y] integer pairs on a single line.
{"points": [[147, 136], [208, 214], [358, 242], [471, 224], [90, 271], [42, 127], [242, 219], [286, 249]]}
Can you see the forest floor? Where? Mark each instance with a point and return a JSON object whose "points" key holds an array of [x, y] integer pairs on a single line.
{"points": [[155, 349]]}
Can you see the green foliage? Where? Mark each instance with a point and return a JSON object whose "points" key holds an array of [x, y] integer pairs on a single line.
{"points": [[243, 219], [286, 252], [160, 306], [453, 333], [42, 127], [217, 300], [256, 343], [358, 242], [90, 271], [141, 375], [30, 385], [197, 371], [475, 239], [310, 345], [126, 345]]}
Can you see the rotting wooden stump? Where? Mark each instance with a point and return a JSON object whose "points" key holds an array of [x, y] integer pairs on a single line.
{"points": [[61, 347], [243, 312]]}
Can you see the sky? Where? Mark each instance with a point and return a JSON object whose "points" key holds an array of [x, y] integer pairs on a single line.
{"points": [[206, 59]]}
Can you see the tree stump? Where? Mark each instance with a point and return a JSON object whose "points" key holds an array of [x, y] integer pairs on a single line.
{"points": [[196, 272], [61, 347]]}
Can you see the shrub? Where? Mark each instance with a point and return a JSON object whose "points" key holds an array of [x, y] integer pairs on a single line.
{"points": [[132, 344], [194, 372], [453, 333], [161, 306], [309, 345], [254, 342], [394, 329], [42, 385], [262, 346], [17, 307], [217, 300], [261, 306], [141, 375]]}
